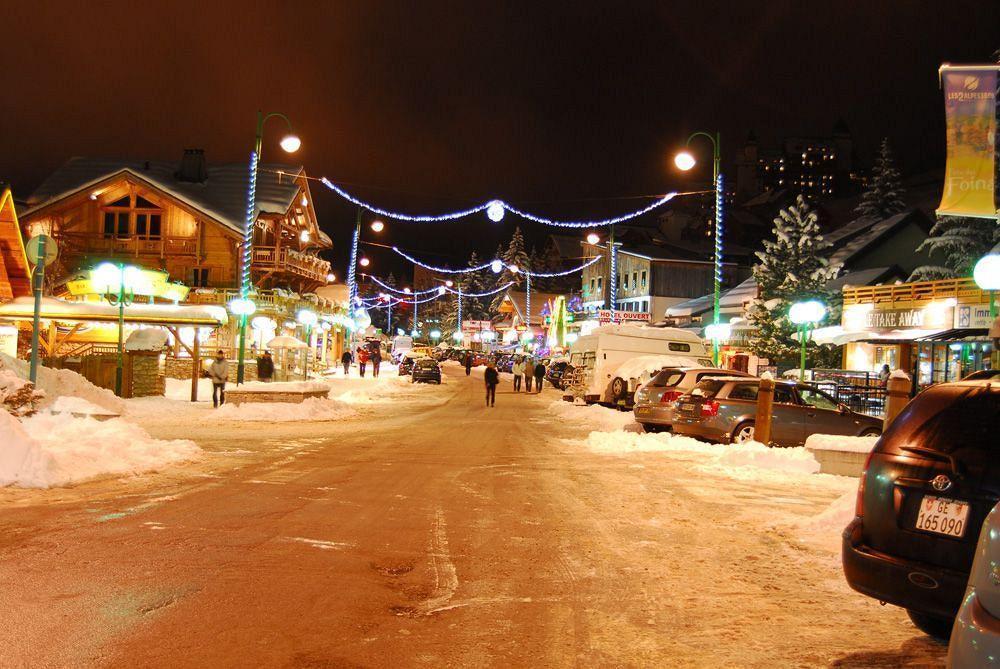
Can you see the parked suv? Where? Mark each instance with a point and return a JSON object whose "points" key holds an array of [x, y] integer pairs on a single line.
{"points": [[656, 399], [925, 490], [724, 409]]}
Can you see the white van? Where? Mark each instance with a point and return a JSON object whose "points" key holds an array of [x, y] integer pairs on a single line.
{"points": [[401, 344], [602, 371]]}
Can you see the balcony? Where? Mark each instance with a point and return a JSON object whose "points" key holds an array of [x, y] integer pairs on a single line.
{"points": [[95, 244], [964, 291], [267, 259]]}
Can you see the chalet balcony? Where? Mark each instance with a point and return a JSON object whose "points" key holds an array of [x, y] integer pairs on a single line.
{"points": [[266, 259], [91, 244]]}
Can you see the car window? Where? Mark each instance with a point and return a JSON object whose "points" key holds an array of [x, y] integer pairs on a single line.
{"points": [[666, 378], [708, 388], [783, 394], [963, 421], [721, 372], [744, 391], [675, 346], [817, 399]]}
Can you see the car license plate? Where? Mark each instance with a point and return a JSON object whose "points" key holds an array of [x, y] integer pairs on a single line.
{"points": [[642, 410], [942, 516], [687, 407]]}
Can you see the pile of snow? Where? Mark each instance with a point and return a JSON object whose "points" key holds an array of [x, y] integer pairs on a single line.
{"points": [[837, 442], [833, 519], [78, 406], [180, 389], [146, 339], [738, 461], [59, 382], [280, 386], [51, 450], [643, 367], [314, 409], [17, 396], [594, 416]]}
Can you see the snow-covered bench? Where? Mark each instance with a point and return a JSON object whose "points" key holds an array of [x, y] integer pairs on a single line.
{"points": [[292, 392], [840, 455]]}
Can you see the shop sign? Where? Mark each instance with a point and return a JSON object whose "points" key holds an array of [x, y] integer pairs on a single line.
{"points": [[608, 316], [8, 340], [924, 318], [475, 326], [972, 316]]}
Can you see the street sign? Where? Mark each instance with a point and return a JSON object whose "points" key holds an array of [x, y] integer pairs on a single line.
{"points": [[41, 246]]}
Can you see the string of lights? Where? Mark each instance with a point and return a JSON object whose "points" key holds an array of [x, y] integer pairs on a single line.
{"points": [[393, 289], [485, 294], [443, 270], [495, 210], [569, 271]]}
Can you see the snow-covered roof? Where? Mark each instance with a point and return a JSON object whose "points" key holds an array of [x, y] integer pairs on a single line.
{"points": [[696, 305], [646, 332], [739, 294], [222, 196], [860, 234], [22, 308]]}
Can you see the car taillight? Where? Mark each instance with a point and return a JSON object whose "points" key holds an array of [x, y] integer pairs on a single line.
{"points": [[670, 396], [710, 408], [859, 504]]}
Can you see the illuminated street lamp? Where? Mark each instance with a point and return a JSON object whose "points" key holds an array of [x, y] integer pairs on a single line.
{"points": [[593, 238], [684, 161], [377, 226], [805, 314], [289, 143], [987, 276], [435, 334], [117, 281]]}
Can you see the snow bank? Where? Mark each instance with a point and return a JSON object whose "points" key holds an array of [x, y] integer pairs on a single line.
{"points": [[278, 386], [833, 519], [594, 416], [51, 450], [836, 442], [58, 382], [314, 408], [180, 389], [77, 405]]}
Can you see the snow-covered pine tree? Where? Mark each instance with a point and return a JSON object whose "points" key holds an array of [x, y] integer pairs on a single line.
{"points": [[960, 242], [883, 196], [792, 267], [515, 255], [475, 308]]}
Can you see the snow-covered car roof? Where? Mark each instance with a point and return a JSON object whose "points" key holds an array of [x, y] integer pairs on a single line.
{"points": [[646, 332], [644, 364]]}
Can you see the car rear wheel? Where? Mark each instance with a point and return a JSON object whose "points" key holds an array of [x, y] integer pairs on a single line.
{"points": [[649, 427], [939, 628], [743, 432], [618, 387]]}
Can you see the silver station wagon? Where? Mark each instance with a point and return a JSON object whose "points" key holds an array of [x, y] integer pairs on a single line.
{"points": [[724, 409], [656, 399]]}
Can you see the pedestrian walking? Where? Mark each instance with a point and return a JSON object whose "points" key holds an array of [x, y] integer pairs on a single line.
{"points": [[468, 363], [376, 362], [539, 375], [492, 379], [346, 359], [265, 367], [362, 360], [218, 372], [529, 367], [518, 371]]}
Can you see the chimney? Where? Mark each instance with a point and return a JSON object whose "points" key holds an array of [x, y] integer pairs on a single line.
{"points": [[193, 168]]}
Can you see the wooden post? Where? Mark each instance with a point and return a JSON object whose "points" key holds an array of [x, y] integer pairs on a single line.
{"points": [[765, 402], [897, 395], [195, 365]]}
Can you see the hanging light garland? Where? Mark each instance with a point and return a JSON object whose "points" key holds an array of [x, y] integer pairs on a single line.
{"points": [[443, 270], [495, 211], [496, 265], [393, 289], [485, 294]]}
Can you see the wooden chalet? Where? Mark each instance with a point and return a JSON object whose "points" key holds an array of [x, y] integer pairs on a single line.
{"points": [[15, 273], [184, 218]]}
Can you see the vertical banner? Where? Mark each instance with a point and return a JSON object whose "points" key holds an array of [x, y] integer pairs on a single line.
{"points": [[970, 104]]}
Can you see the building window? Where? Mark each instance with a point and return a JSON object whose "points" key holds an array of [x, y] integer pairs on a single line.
{"points": [[644, 279], [199, 277], [635, 280], [132, 215], [592, 282], [600, 284]]}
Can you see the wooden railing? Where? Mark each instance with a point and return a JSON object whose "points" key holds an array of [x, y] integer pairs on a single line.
{"points": [[266, 258], [266, 300], [136, 246], [963, 290]]}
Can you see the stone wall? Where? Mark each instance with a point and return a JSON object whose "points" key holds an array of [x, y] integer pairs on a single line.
{"points": [[147, 379], [180, 368]]}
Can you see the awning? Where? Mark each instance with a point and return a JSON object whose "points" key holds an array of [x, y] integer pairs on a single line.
{"points": [[55, 309], [837, 335], [958, 335]]}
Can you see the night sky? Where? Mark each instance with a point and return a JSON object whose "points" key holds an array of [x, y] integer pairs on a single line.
{"points": [[431, 106]]}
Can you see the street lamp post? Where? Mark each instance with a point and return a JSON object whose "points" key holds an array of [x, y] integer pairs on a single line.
{"points": [[289, 143], [805, 314], [114, 277], [987, 276], [307, 319], [685, 161]]}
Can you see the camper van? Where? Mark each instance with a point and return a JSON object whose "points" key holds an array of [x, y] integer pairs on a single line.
{"points": [[401, 344], [602, 360]]}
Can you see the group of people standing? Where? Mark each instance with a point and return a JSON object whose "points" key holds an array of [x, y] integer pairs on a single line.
{"points": [[524, 370], [365, 355]]}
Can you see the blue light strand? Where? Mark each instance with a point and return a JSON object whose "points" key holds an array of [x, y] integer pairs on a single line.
{"points": [[569, 271], [719, 194], [443, 270], [527, 300], [494, 209], [246, 256], [352, 278], [397, 290], [399, 216], [486, 294], [613, 280]]}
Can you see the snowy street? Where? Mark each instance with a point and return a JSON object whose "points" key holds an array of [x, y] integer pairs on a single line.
{"points": [[424, 529]]}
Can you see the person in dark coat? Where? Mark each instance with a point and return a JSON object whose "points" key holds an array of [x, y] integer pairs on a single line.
{"points": [[529, 369], [265, 367], [539, 376], [346, 360], [218, 371], [376, 360], [492, 379], [468, 363]]}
